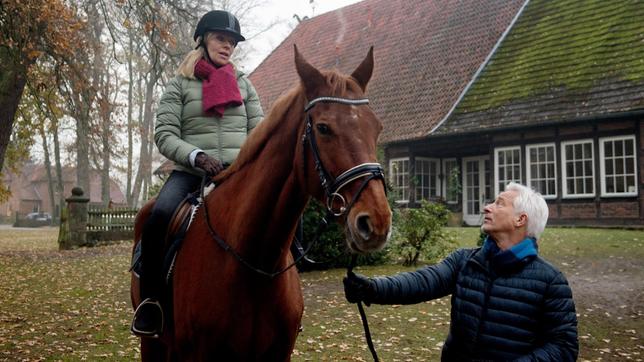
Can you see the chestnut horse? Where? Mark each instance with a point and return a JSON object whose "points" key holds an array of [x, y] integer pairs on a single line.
{"points": [[223, 309]]}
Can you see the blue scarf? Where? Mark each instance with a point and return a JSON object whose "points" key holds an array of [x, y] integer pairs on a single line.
{"points": [[517, 256]]}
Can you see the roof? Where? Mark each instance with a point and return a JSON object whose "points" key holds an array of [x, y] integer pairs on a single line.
{"points": [[426, 52], [38, 173], [562, 61]]}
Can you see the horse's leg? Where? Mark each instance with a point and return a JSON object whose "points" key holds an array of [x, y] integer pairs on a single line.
{"points": [[289, 305]]}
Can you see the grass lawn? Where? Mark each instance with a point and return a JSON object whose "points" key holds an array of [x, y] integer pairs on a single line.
{"points": [[74, 305]]}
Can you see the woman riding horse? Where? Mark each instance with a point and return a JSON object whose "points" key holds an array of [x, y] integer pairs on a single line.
{"points": [[233, 296], [203, 118]]}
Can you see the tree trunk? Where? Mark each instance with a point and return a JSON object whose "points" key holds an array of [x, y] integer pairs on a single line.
{"points": [[130, 122], [105, 171], [94, 66], [105, 111], [60, 186], [136, 187], [82, 149], [145, 158], [148, 174], [50, 179], [13, 77]]}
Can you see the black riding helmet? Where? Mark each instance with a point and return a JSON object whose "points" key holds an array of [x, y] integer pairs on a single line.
{"points": [[219, 20]]}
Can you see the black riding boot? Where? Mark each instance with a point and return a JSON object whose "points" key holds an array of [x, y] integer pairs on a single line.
{"points": [[148, 317]]}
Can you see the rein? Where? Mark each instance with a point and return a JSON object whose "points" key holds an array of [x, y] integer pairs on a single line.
{"points": [[363, 315], [332, 187], [229, 249]]}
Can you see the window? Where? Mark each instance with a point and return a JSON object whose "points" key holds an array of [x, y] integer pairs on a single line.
{"points": [[508, 167], [451, 181], [577, 168], [541, 170], [618, 166], [399, 178], [426, 178]]}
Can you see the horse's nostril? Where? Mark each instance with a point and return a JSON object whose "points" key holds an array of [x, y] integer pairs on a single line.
{"points": [[363, 224]]}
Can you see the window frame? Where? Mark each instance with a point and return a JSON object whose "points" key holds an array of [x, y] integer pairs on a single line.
{"points": [[528, 165], [602, 166], [564, 174], [394, 185], [437, 168], [497, 150], [446, 176]]}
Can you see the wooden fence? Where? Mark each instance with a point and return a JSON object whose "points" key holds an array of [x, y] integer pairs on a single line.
{"points": [[110, 224]]}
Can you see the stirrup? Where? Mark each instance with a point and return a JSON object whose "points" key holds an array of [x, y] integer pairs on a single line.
{"points": [[154, 334]]}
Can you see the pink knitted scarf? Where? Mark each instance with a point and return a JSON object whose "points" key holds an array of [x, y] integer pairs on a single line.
{"points": [[220, 89]]}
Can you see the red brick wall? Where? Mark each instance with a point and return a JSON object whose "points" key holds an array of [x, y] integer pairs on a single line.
{"points": [[620, 209], [578, 211], [553, 211]]}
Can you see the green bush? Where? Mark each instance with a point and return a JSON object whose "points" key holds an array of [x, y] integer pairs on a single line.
{"points": [[481, 240], [330, 250], [420, 232]]}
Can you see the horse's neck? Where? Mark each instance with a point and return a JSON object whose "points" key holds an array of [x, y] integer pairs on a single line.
{"points": [[266, 199]]}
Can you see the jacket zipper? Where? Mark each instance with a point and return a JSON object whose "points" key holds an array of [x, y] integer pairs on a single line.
{"points": [[485, 309], [219, 148]]}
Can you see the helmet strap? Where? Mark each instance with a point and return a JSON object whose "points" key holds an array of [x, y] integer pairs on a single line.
{"points": [[205, 51]]}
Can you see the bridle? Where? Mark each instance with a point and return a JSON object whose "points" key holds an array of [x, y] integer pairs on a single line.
{"points": [[332, 186]]}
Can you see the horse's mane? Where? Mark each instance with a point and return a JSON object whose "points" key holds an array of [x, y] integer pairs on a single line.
{"points": [[269, 128]]}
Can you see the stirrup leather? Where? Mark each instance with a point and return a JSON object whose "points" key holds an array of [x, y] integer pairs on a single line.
{"points": [[146, 333]]}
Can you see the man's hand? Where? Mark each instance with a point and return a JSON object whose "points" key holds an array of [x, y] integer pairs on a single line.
{"points": [[359, 288], [210, 165]]}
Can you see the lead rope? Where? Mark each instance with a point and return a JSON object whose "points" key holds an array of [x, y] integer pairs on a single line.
{"points": [[363, 315]]}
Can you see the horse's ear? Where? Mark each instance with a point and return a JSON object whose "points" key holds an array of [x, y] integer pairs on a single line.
{"points": [[311, 77], [362, 74]]}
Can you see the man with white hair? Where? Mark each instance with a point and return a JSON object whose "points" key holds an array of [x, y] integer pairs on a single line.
{"points": [[507, 302]]}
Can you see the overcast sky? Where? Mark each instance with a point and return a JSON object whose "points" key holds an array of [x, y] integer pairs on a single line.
{"points": [[284, 11]]}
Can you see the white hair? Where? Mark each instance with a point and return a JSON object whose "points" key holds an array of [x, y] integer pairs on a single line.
{"points": [[532, 203]]}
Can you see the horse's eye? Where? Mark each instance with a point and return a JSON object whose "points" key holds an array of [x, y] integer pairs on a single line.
{"points": [[323, 128]]}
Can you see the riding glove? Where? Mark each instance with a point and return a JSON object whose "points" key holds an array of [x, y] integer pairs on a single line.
{"points": [[210, 165], [359, 288]]}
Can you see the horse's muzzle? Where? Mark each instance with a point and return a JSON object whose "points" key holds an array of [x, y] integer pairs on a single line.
{"points": [[367, 233]]}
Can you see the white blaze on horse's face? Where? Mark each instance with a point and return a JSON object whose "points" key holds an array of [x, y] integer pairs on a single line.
{"points": [[346, 136]]}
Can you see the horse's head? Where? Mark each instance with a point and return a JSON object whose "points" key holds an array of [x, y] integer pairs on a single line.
{"points": [[342, 171]]}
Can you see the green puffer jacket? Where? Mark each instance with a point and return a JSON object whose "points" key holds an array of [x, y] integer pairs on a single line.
{"points": [[182, 127]]}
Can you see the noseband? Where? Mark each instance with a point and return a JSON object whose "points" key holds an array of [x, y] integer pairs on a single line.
{"points": [[331, 185]]}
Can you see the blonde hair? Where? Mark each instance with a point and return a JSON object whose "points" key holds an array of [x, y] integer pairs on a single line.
{"points": [[187, 66]]}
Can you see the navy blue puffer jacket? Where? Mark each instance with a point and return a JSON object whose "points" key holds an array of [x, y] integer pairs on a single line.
{"points": [[521, 312]]}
